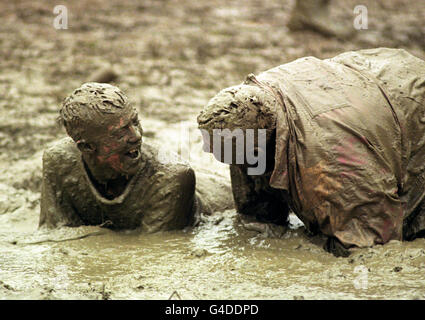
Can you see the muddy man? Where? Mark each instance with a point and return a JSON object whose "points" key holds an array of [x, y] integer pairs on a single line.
{"points": [[104, 175], [344, 145]]}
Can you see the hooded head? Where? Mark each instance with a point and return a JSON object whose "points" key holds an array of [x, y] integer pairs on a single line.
{"points": [[243, 110], [242, 106]]}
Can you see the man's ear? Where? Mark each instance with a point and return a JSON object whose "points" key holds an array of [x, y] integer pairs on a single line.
{"points": [[85, 147]]}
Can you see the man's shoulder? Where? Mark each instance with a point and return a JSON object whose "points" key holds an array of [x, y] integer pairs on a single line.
{"points": [[167, 166], [61, 152], [164, 160]]}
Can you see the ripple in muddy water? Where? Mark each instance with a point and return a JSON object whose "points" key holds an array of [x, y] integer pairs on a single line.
{"points": [[216, 260]]}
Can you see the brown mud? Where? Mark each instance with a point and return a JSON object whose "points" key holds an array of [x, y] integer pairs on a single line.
{"points": [[170, 58]]}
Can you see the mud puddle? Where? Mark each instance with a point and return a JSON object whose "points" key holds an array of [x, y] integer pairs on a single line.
{"points": [[172, 57], [216, 260]]}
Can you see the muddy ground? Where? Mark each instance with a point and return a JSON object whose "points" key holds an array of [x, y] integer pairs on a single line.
{"points": [[171, 58]]}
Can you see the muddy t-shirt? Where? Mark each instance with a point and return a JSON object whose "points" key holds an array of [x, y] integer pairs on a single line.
{"points": [[158, 197]]}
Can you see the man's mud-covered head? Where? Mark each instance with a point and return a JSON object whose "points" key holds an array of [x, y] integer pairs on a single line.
{"points": [[244, 115], [239, 107], [105, 127]]}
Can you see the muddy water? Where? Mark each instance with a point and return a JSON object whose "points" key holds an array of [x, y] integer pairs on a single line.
{"points": [[216, 260], [171, 72]]}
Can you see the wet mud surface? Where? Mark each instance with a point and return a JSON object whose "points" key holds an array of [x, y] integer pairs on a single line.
{"points": [[171, 58], [217, 260]]}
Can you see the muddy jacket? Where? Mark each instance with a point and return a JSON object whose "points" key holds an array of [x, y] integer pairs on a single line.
{"points": [[350, 143], [159, 197]]}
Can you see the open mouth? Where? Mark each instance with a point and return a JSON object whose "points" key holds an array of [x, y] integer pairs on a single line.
{"points": [[133, 153]]}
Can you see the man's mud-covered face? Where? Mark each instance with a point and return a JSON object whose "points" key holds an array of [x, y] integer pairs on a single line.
{"points": [[116, 141]]}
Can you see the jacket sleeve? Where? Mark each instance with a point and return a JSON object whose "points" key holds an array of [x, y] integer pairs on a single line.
{"points": [[55, 211], [253, 196], [171, 201]]}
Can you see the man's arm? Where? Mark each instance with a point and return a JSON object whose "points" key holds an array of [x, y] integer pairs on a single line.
{"points": [[54, 212], [171, 199], [253, 196]]}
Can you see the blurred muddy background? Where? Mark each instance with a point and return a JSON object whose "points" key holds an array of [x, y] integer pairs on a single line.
{"points": [[171, 57]]}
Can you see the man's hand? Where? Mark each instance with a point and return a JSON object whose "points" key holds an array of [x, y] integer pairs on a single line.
{"points": [[268, 230], [334, 246]]}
